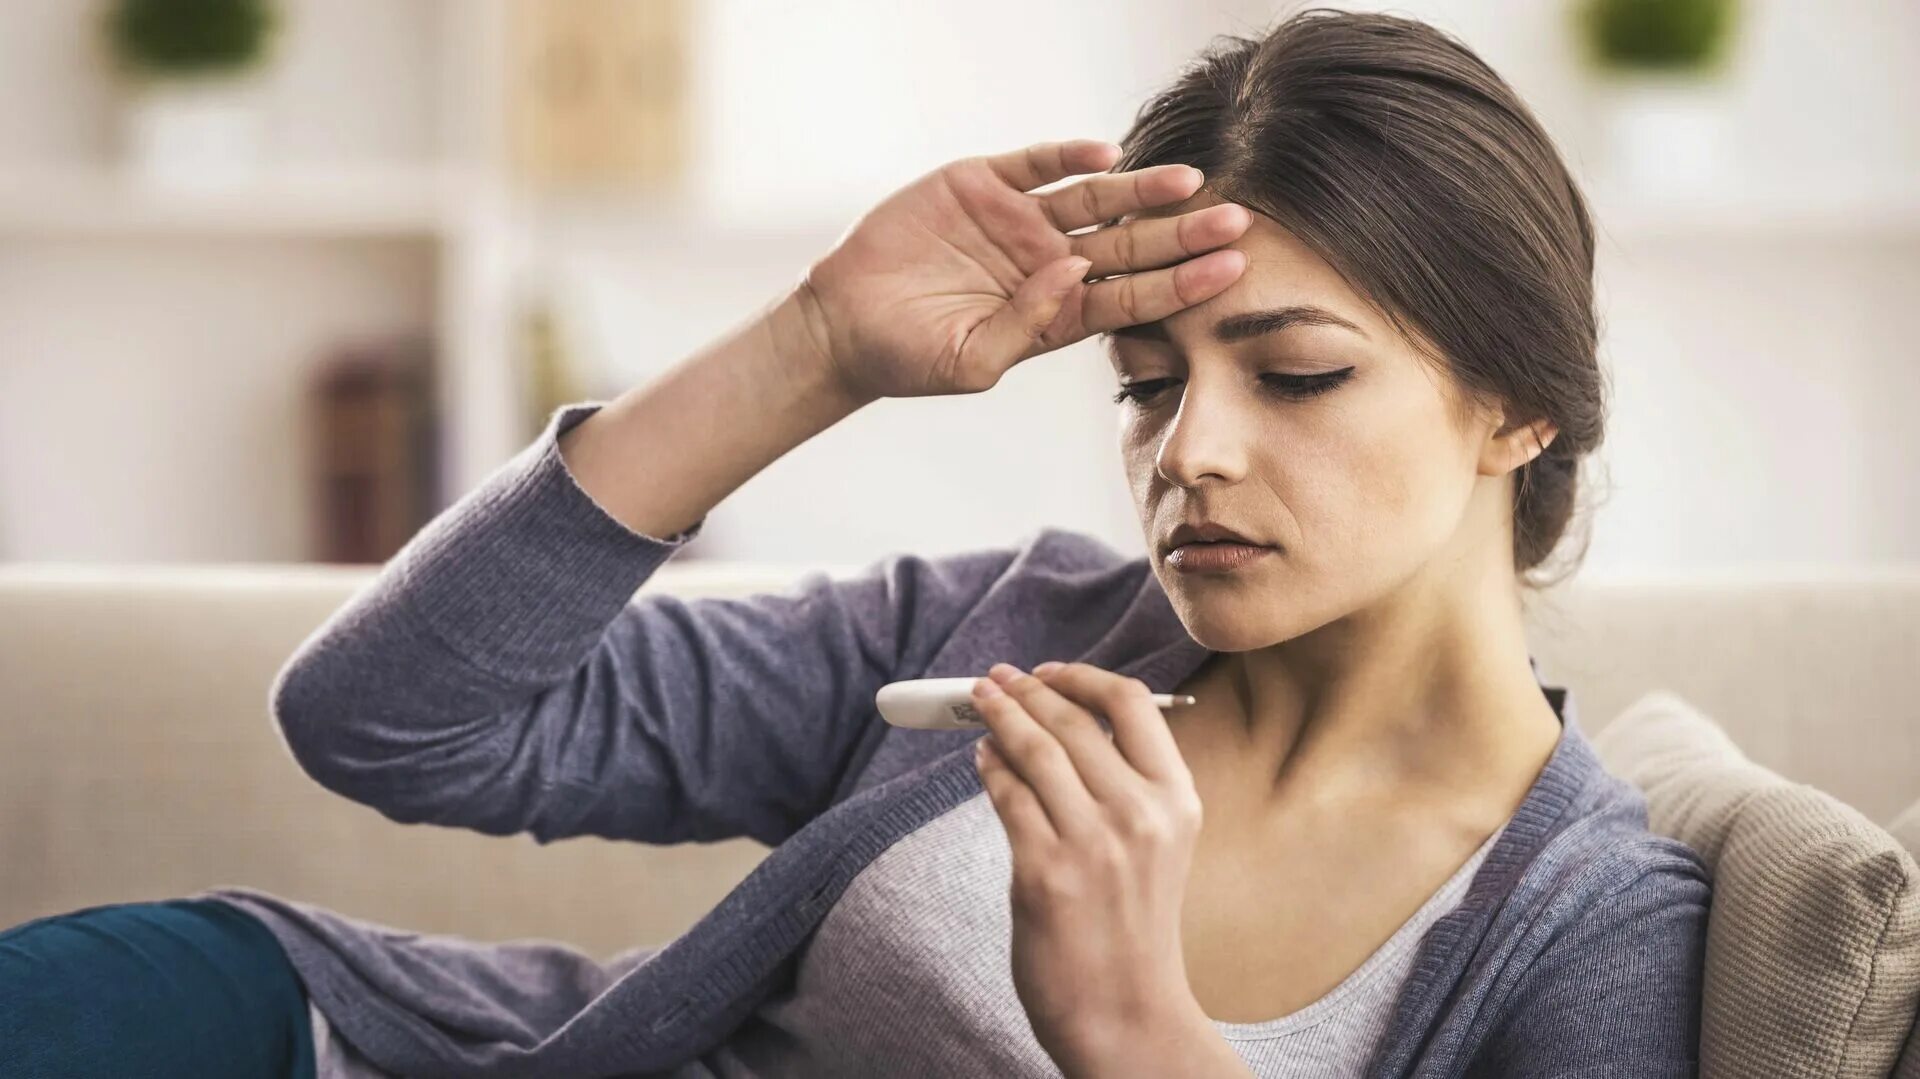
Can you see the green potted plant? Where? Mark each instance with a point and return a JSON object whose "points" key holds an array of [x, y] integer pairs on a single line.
{"points": [[1661, 67], [191, 72]]}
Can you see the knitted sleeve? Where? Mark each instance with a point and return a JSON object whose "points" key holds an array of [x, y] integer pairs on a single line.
{"points": [[500, 674]]}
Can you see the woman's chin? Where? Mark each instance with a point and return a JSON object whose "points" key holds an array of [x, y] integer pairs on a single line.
{"points": [[1225, 624]]}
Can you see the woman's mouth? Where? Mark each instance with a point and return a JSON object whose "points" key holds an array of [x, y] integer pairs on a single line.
{"points": [[1214, 556]]}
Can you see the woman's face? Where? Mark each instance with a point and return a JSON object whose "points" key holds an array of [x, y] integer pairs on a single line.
{"points": [[1289, 410]]}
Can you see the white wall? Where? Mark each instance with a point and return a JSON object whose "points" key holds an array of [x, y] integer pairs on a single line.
{"points": [[1765, 396]]}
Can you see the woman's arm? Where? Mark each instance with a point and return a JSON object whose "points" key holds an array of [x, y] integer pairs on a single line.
{"points": [[499, 674]]}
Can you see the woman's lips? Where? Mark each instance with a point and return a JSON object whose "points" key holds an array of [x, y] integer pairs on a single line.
{"points": [[1214, 557]]}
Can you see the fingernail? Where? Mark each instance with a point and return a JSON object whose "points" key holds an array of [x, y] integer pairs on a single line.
{"points": [[1048, 667], [986, 687]]}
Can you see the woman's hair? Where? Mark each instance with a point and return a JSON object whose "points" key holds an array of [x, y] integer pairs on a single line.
{"points": [[1400, 158]]}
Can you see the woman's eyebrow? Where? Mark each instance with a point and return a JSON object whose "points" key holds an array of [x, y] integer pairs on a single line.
{"points": [[1245, 325]]}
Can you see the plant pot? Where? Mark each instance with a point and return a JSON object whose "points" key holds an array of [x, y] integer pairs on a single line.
{"points": [[1665, 132], [205, 131]]}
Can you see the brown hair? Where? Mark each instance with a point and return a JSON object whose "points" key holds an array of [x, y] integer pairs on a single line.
{"points": [[1400, 158]]}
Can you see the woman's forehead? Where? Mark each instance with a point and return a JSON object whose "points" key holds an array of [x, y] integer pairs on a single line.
{"points": [[1282, 271]]}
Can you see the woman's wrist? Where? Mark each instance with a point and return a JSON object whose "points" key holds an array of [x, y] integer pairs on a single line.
{"points": [[800, 338]]}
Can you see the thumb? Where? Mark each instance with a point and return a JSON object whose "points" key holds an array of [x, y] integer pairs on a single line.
{"points": [[1009, 333]]}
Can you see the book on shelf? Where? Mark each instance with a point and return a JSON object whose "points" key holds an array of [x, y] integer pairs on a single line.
{"points": [[375, 448]]}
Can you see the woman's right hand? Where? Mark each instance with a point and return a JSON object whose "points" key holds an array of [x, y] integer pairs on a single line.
{"points": [[954, 279]]}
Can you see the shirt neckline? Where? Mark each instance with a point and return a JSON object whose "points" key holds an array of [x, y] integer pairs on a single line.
{"points": [[1375, 966]]}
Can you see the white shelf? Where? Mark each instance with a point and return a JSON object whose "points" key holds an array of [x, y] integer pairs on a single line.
{"points": [[384, 201]]}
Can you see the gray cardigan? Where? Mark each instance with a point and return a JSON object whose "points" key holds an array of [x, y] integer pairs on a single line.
{"points": [[500, 674]]}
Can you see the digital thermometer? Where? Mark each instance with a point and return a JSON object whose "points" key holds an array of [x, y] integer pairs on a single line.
{"points": [[946, 704]]}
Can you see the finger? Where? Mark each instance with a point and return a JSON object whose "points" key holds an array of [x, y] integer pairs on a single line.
{"points": [[1041, 762], [1044, 162], [1103, 769], [1155, 294], [1140, 730], [1009, 334], [1103, 198], [1019, 809], [1151, 242]]}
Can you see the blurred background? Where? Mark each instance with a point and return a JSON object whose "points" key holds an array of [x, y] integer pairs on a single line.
{"points": [[279, 280]]}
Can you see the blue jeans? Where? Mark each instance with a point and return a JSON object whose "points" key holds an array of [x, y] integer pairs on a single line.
{"points": [[177, 988]]}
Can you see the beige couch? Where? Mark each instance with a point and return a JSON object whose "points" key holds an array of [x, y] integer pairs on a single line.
{"points": [[137, 759]]}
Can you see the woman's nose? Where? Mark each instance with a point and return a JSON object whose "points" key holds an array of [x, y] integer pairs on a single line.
{"points": [[1205, 439]]}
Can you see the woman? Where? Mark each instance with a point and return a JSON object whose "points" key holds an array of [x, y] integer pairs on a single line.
{"points": [[1345, 283]]}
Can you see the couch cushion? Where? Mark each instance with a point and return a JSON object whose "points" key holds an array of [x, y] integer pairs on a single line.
{"points": [[1909, 1066], [1813, 940], [1906, 828]]}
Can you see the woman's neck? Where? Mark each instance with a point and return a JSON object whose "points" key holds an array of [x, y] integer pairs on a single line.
{"points": [[1393, 700]]}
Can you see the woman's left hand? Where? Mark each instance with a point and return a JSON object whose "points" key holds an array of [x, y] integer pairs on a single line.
{"points": [[1102, 833]]}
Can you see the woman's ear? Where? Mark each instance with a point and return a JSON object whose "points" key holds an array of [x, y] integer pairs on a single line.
{"points": [[1513, 445]]}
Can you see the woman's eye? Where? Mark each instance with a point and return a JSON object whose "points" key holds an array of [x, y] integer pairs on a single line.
{"points": [[1295, 387], [1303, 386], [1139, 392]]}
